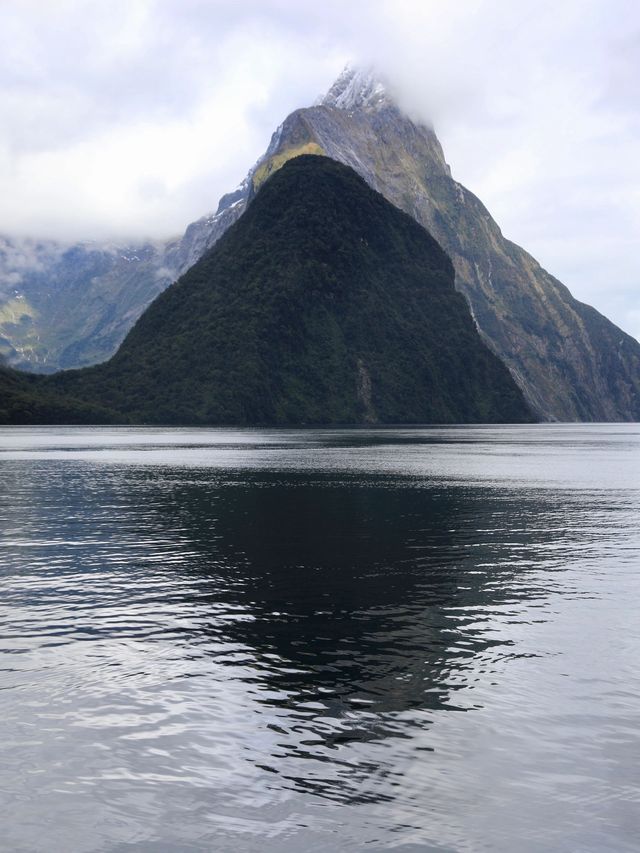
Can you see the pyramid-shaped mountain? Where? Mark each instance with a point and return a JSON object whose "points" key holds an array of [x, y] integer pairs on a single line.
{"points": [[571, 362], [66, 307], [322, 304]]}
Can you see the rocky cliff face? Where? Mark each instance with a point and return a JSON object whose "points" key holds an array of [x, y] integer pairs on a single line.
{"points": [[570, 361]]}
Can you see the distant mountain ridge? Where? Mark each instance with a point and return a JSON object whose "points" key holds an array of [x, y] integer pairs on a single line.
{"points": [[64, 306], [571, 362]]}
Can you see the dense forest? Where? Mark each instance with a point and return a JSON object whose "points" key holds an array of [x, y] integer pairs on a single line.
{"points": [[322, 304]]}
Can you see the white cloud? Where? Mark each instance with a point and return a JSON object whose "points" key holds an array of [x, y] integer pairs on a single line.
{"points": [[131, 118]]}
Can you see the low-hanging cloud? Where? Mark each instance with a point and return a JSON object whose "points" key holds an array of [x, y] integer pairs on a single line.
{"points": [[130, 118]]}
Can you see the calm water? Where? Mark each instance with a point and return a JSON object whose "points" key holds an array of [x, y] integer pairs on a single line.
{"points": [[320, 640]]}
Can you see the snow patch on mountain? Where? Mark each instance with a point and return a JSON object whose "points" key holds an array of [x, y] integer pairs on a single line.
{"points": [[356, 89]]}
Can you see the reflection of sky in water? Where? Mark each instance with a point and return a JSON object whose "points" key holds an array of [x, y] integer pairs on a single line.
{"points": [[319, 639], [549, 456]]}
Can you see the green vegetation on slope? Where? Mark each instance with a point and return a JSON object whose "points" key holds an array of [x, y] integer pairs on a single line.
{"points": [[23, 400], [270, 166], [322, 304], [571, 362]]}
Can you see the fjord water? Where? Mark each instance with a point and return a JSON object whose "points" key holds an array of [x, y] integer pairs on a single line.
{"points": [[286, 640]]}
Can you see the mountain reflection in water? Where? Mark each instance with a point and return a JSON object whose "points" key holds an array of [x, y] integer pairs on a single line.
{"points": [[412, 639]]}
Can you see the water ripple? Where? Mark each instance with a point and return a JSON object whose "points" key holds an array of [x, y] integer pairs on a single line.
{"points": [[321, 639]]}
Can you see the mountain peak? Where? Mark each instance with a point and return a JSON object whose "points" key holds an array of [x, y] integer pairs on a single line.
{"points": [[356, 88]]}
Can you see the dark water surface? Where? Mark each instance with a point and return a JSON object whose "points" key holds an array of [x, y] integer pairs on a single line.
{"points": [[256, 640]]}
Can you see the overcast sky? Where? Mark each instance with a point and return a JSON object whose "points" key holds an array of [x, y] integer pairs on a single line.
{"points": [[129, 118]]}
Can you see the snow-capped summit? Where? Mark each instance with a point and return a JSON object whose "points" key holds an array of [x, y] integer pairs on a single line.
{"points": [[356, 88]]}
